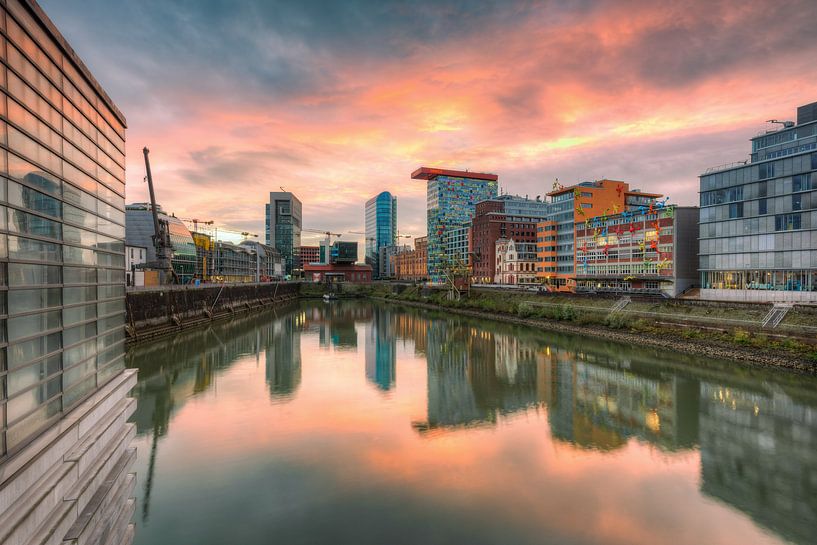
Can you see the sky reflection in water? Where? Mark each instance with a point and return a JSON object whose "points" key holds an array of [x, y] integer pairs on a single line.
{"points": [[370, 424]]}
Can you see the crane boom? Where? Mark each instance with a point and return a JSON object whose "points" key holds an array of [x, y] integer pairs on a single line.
{"points": [[161, 234]]}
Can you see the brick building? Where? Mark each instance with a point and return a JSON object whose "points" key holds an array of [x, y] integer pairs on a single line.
{"points": [[413, 264]]}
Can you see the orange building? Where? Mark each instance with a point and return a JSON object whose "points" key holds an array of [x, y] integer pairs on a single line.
{"points": [[412, 265], [556, 236]]}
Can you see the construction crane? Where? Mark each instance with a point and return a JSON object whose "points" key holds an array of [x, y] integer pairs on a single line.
{"points": [[329, 234], [196, 222], [161, 234]]}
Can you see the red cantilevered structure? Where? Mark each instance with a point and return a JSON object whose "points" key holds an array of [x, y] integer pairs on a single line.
{"points": [[428, 173]]}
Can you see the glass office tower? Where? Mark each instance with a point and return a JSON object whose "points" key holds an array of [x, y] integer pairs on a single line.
{"points": [[758, 223], [283, 227], [381, 226], [451, 196], [62, 228]]}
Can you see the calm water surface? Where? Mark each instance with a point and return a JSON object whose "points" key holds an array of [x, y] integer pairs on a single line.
{"points": [[359, 423]]}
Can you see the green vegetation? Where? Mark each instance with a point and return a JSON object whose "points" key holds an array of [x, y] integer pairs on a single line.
{"points": [[728, 324]]}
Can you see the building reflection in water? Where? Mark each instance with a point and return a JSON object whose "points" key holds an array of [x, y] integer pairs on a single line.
{"points": [[381, 350], [757, 439]]}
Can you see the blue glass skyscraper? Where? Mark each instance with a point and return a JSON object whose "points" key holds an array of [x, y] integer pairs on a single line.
{"points": [[381, 226]]}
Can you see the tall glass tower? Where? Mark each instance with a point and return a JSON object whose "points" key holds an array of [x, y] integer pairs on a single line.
{"points": [[452, 196], [283, 227], [381, 226]]}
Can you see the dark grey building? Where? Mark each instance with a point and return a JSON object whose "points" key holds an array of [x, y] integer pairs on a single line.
{"points": [[758, 224], [63, 384], [283, 227]]}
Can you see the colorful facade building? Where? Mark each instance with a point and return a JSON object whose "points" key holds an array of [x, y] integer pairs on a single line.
{"points": [[412, 265], [458, 245], [515, 263], [451, 198], [650, 250], [506, 216], [759, 219], [571, 205], [381, 227]]}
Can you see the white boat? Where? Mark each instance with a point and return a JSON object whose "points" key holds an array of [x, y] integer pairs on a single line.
{"points": [[329, 296]]}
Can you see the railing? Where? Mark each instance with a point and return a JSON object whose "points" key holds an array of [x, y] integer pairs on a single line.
{"points": [[726, 166]]}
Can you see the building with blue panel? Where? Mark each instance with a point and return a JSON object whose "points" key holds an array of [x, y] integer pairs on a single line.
{"points": [[451, 198], [381, 226], [758, 222]]}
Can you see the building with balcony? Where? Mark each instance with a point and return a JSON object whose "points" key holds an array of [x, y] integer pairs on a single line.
{"points": [[568, 206], [758, 223], [381, 227], [649, 251], [283, 227], [65, 454], [452, 196], [505, 216]]}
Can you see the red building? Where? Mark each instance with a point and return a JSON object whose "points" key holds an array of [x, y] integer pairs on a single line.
{"points": [[338, 272], [506, 216], [308, 254]]}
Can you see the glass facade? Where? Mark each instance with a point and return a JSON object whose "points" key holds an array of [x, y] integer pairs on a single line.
{"points": [[62, 230], [139, 232], [381, 226], [283, 227], [758, 222], [450, 203]]}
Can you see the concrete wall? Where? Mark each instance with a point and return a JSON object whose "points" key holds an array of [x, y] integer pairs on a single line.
{"points": [[161, 310], [760, 296], [73, 484]]}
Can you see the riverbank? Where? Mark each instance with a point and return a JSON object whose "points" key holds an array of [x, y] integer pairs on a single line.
{"points": [[153, 313], [754, 348]]}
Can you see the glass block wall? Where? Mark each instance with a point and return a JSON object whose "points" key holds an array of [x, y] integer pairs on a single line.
{"points": [[62, 187]]}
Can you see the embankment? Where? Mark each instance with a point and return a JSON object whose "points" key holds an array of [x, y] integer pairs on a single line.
{"points": [[713, 330], [161, 311]]}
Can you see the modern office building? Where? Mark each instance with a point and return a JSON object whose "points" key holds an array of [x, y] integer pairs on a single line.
{"points": [[139, 232], [65, 452], [381, 226], [758, 225], [283, 227], [649, 251], [458, 244], [508, 217], [569, 205], [451, 198], [386, 257]]}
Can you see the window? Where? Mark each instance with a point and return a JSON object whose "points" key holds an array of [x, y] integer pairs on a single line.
{"points": [[762, 189], [765, 170], [797, 201], [736, 210], [762, 207], [787, 222], [814, 161], [587, 205]]}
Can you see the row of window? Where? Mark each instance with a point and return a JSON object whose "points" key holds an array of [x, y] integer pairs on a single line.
{"points": [[768, 260], [797, 240], [754, 226], [751, 173]]}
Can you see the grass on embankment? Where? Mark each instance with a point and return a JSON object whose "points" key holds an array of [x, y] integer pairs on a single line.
{"points": [[721, 323]]}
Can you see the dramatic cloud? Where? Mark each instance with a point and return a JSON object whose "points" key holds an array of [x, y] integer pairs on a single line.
{"points": [[338, 101]]}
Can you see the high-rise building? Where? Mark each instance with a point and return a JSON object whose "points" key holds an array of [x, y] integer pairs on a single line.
{"points": [[381, 226], [451, 198], [556, 246], [506, 216], [63, 383], [758, 221], [283, 227]]}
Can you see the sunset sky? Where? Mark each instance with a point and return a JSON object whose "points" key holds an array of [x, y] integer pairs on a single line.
{"points": [[337, 101]]}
